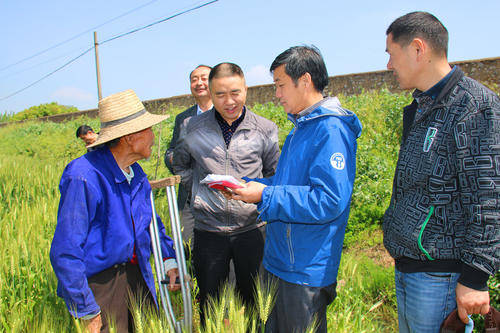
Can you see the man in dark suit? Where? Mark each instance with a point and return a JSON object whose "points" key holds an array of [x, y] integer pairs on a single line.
{"points": [[199, 89]]}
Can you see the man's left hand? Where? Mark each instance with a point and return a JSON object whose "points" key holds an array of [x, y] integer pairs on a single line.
{"points": [[173, 274], [470, 301], [251, 193]]}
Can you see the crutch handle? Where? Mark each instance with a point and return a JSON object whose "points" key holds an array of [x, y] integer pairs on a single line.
{"points": [[164, 182]]}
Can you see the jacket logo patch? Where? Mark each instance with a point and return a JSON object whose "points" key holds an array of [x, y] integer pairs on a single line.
{"points": [[429, 138], [337, 161]]}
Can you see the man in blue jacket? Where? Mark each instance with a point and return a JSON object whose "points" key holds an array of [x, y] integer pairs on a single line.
{"points": [[306, 203], [101, 246]]}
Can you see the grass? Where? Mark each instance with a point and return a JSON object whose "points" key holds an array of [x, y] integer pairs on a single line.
{"points": [[28, 285], [33, 156]]}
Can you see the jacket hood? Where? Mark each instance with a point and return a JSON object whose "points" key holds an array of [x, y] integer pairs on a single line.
{"points": [[330, 107]]}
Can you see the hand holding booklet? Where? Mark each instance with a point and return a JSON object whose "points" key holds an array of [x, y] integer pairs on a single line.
{"points": [[221, 182]]}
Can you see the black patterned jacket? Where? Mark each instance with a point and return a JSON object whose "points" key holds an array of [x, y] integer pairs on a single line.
{"points": [[444, 214]]}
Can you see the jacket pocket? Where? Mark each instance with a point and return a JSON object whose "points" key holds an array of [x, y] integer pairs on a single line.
{"points": [[420, 246]]}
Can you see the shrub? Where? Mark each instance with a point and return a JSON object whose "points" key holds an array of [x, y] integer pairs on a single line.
{"points": [[41, 110]]}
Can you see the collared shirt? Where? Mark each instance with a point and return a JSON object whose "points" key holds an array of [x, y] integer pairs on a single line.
{"points": [[436, 89], [228, 130], [199, 110], [128, 176], [426, 98]]}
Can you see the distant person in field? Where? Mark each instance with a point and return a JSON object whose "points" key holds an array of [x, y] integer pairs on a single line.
{"points": [[229, 139], [442, 226], [306, 203], [101, 247], [87, 135], [198, 80]]}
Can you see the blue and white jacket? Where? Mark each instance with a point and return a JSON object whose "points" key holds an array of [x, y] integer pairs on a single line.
{"points": [[306, 203]]}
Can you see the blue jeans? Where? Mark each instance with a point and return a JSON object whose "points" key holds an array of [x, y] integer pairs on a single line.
{"points": [[424, 300]]}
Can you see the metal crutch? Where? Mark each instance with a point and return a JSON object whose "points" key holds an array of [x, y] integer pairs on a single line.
{"points": [[161, 275]]}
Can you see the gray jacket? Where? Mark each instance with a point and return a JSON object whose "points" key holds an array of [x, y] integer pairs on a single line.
{"points": [[201, 150]]}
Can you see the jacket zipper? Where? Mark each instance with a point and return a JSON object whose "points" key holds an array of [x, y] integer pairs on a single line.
{"points": [[289, 242], [226, 167], [226, 203], [288, 226], [403, 142], [422, 232], [293, 134]]}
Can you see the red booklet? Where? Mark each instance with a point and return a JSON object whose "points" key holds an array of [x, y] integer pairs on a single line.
{"points": [[221, 185], [221, 182]]}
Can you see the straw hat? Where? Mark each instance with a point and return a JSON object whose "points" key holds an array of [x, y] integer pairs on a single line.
{"points": [[121, 114]]}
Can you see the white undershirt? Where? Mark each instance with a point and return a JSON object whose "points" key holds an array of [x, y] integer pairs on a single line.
{"points": [[199, 110], [127, 175]]}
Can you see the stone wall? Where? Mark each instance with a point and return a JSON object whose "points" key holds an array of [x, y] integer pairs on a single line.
{"points": [[484, 70]]}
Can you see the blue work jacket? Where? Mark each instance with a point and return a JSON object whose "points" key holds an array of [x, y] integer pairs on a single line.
{"points": [[95, 227], [306, 203]]}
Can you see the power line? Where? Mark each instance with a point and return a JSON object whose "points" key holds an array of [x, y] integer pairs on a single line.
{"points": [[160, 21], [140, 24], [76, 36], [108, 40], [41, 63], [47, 75]]}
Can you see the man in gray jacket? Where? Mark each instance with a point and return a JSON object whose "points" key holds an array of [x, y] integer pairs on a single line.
{"points": [[229, 140]]}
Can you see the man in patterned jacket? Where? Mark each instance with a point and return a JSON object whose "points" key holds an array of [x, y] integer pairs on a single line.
{"points": [[443, 223]]}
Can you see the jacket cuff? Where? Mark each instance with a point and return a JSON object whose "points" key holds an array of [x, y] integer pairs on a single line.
{"points": [[168, 156], [91, 316], [473, 278], [92, 311], [263, 204]]}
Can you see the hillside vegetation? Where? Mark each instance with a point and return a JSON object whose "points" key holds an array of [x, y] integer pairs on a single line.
{"points": [[33, 156], [37, 111]]}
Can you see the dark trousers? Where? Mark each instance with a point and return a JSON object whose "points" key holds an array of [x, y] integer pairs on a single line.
{"points": [[212, 253], [187, 222], [112, 289], [297, 306]]}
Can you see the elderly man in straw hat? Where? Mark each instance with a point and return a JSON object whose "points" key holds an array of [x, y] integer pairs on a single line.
{"points": [[101, 247]]}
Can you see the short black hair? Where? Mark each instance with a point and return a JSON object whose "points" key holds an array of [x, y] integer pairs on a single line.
{"points": [[191, 73], [225, 69], [82, 130], [299, 60], [420, 25]]}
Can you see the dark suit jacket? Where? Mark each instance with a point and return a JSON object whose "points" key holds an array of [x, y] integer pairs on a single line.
{"points": [[179, 119]]}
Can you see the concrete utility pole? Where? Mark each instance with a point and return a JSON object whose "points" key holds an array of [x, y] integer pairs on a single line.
{"points": [[98, 72]]}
